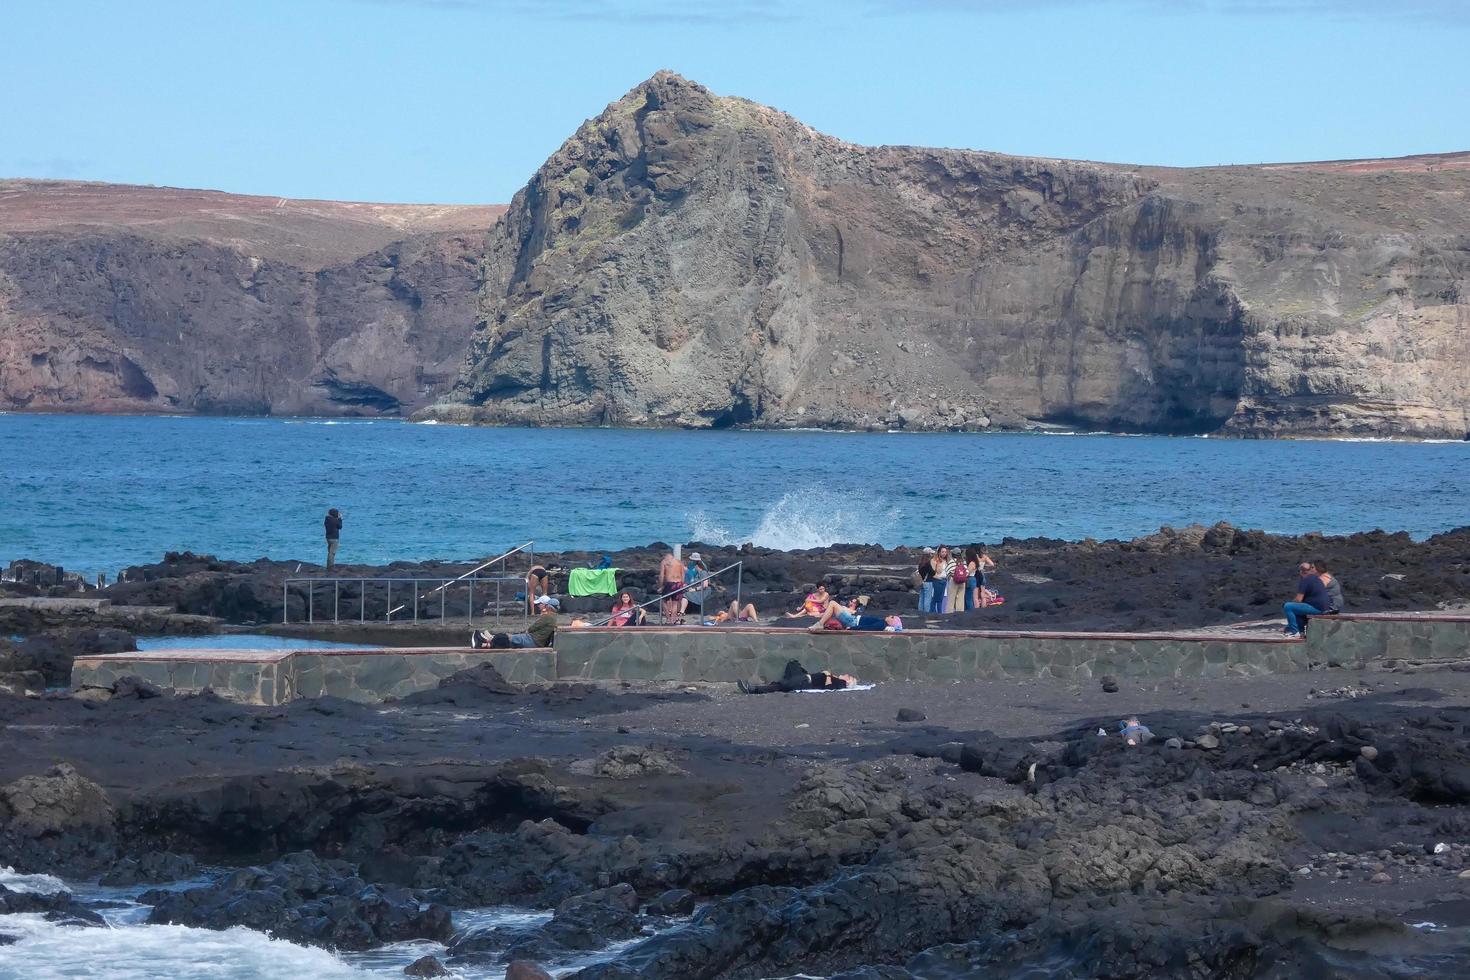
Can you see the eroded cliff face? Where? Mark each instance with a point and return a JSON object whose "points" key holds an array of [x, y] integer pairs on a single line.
{"points": [[687, 259], [122, 299]]}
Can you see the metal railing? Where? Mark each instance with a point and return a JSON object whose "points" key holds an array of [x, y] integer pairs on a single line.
{"points": [[365, 584], [738, 566]]}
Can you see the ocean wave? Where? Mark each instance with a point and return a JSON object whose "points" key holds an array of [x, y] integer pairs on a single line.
{"points": [[812, 517], [40, 884]]}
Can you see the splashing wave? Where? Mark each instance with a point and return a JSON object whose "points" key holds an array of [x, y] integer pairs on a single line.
{"points": [[812, 517]]}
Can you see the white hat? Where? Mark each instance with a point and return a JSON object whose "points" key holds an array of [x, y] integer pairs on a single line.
{"points": [[546, 600], [928, 551], [695, 556]]}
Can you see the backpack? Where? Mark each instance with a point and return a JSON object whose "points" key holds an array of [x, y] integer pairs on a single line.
{"points": [[961, 571]]}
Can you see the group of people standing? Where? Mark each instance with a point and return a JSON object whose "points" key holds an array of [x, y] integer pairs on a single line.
{"points": [[953, 581]]}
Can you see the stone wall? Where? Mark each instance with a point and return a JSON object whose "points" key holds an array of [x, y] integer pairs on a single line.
{"points": [[931, 655], [692, 654], [1362, 637]]}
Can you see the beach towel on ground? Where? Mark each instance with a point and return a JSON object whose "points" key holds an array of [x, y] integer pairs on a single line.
{"points": [[824, 690], [592, 581]]}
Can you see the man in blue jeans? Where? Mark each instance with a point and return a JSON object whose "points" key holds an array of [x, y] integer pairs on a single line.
{"points": [[1311, 600]]}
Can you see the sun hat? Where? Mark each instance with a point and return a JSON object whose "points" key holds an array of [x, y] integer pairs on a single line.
{"points": [[695, 556]]}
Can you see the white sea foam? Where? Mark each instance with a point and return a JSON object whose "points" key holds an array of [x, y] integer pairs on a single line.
{"points": [[47, 951], [42, 884], [812, 517]]}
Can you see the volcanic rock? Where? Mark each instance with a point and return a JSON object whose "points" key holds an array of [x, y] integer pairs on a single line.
{"points": [[696, 260]]}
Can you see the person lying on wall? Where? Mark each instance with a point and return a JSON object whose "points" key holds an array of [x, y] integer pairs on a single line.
{"points": [[850, 616], [538, 634]]}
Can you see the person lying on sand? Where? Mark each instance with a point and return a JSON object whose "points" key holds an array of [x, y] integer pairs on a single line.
{"points": [[814, 604], [1134, 732], [796, 678], [851, 617]]}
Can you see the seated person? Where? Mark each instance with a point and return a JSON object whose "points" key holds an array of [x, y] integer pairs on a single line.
{"points": [[737, 615], [625, 612], [538, 634], [814, 604], [1335, 601], [850, 616], [1312, 599], [796, 678]]}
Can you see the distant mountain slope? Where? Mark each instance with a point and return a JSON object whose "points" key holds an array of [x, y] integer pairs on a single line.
{"points": [[689, 259], [139, 299]]}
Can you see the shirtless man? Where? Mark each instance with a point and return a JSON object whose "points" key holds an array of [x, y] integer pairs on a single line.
{"points": [[670, 584]]}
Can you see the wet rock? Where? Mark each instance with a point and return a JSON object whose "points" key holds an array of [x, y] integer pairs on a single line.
{"points": [[910, 714], [675, 901], [526, 970], [425, 966], [1109, 684], [1368, 752], [150, 869], [1207, 741], [1173, 743], [59, 907], [305, 899]]}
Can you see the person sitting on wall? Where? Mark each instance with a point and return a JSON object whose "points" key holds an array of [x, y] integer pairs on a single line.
{"points": [[625, 612], [796, 678], [1311, 599], [850, 616], [538, 634], [1335, 601]]}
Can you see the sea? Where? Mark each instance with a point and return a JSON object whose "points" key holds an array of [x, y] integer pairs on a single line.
{"points": [[98, 493]]}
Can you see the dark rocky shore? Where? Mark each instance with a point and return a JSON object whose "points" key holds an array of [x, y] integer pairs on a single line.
{"points": [[1281, 826], [1303, 826]]}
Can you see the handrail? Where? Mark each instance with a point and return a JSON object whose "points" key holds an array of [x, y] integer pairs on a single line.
{"points": [[470, 577], [684, 588], [469, 573]]}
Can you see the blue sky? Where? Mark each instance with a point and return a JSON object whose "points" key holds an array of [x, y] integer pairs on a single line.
{"points": [[460, 100]]}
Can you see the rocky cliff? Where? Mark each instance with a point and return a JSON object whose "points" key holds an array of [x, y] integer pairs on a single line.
{"points": [[122, 299], [689, 259]]}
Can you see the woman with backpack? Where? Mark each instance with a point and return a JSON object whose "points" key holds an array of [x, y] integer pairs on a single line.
{"points": [[959, 584]]}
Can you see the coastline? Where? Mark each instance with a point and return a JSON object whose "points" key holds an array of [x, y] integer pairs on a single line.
{"points": [[1033, 428]]}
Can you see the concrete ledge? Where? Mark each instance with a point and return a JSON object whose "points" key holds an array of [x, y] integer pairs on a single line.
{"points": [[714, 653], [278, 676]]}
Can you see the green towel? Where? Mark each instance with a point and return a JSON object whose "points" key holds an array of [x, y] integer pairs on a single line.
{"points": [[592, 581]]}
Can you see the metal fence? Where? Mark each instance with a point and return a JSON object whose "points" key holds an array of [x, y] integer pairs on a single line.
{"points": [[445, 593], [441, 597]]}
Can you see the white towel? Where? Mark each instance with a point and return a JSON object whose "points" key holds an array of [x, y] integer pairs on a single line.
{"points": [[830, 690]]}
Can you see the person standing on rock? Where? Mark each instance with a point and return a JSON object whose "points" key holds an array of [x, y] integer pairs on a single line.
{"points": [[943, 572], [926, 580], [333, 525], [671, 586]]}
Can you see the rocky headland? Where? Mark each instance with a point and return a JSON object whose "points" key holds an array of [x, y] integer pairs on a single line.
{"points": [[690, 259], [698, 260]]}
